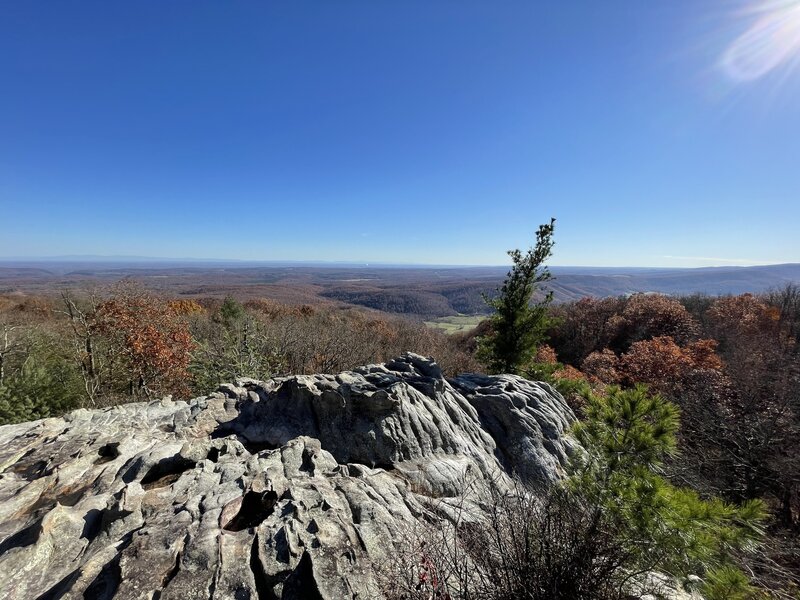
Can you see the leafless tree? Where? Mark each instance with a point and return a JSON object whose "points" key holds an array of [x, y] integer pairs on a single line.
{"points": [[11, 343], [82, 322]]}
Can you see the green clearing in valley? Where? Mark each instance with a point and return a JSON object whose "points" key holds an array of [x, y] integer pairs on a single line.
{"points": [[456, 323]]}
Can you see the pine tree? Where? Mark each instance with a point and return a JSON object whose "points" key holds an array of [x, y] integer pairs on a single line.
{"points": [[517, 326], [658, 526], [231, 312]]}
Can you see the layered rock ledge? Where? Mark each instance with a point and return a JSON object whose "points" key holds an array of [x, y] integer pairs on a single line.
{"points": [[290, 488]]}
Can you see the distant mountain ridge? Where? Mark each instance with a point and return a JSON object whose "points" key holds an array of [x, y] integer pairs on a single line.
{"points": [[713, 281], [421, 291]]}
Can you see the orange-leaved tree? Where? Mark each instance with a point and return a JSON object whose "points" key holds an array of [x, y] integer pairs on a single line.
{"points": [[150, 337], [660, 362]]}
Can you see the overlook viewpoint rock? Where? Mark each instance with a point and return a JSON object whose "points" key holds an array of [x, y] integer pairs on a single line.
{"points": [[296, 487]]}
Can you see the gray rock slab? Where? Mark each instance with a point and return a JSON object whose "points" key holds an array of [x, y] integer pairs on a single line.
{"points": [[291, 488]]}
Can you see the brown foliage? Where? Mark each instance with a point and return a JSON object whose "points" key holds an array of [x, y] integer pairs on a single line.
{"points": [[545, 355], [761, 422], [743, 315], [602, 366], [153, 340], [583, 327], [569, 373], [592, 324], [660, 362], [647, 316], [25, 309], [733, 367]]}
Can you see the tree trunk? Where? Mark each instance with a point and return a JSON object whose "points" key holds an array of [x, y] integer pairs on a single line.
{"points": [[90, 367], [785, 512]]}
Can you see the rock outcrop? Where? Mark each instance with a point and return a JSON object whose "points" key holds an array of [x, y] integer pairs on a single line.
{"points": [[291, 488]]}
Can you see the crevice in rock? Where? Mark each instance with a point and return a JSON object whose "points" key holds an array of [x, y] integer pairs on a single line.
{"points": [[256, 447], [33, 470], [301, 583], [254, 509], [106, 583], [169, 575], [130, 468], [71, 498], [307, 463], [212, 586], [281, 545], [355, 511], [62, 587], [252, 446], [107, 453], [166, 472], [360, 539], [115, 513], [24, 537], [13, 468], [263, 588], [66, 497], [93, 524]]}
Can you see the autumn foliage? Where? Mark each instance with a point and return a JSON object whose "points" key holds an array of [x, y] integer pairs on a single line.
{"points": [[647, 316], [660, 361], [602, 366], [152, 340], [732, 366], [594, 324]]}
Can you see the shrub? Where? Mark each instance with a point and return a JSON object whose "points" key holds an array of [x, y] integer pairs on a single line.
{"points": [[47, 389]]}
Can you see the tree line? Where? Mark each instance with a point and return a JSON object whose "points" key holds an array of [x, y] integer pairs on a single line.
{"points": [[124, 343]]}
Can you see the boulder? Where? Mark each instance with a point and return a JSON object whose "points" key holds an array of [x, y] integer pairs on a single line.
{"points": [[291, 488]]}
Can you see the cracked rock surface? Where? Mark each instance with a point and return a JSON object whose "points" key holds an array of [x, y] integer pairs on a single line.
{"points": [[290, 488]]}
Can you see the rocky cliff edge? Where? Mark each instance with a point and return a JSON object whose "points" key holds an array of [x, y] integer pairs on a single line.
{"points": [[291, 488]]}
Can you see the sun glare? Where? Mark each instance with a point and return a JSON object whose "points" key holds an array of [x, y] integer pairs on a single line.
{"points": [[772, 40]]}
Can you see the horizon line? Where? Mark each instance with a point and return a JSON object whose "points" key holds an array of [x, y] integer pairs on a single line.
{"points": [[728, 263]]}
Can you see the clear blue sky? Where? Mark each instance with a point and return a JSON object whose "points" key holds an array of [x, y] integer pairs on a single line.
{"points": [[662, 133]]}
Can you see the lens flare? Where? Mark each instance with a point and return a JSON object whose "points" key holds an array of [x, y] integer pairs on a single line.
{"points": [[772, 40]]}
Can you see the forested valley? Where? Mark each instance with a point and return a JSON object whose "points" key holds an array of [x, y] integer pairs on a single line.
{"points": [[731, 365]]}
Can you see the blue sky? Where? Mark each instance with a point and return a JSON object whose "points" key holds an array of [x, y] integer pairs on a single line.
{"points": [[659, 133]]}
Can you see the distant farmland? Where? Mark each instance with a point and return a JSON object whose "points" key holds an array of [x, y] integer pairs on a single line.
{"points": [[457, 323]]}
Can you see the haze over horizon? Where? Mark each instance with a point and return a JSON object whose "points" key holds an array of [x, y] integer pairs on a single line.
{"points": [[658, 134], [123, 260]]}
